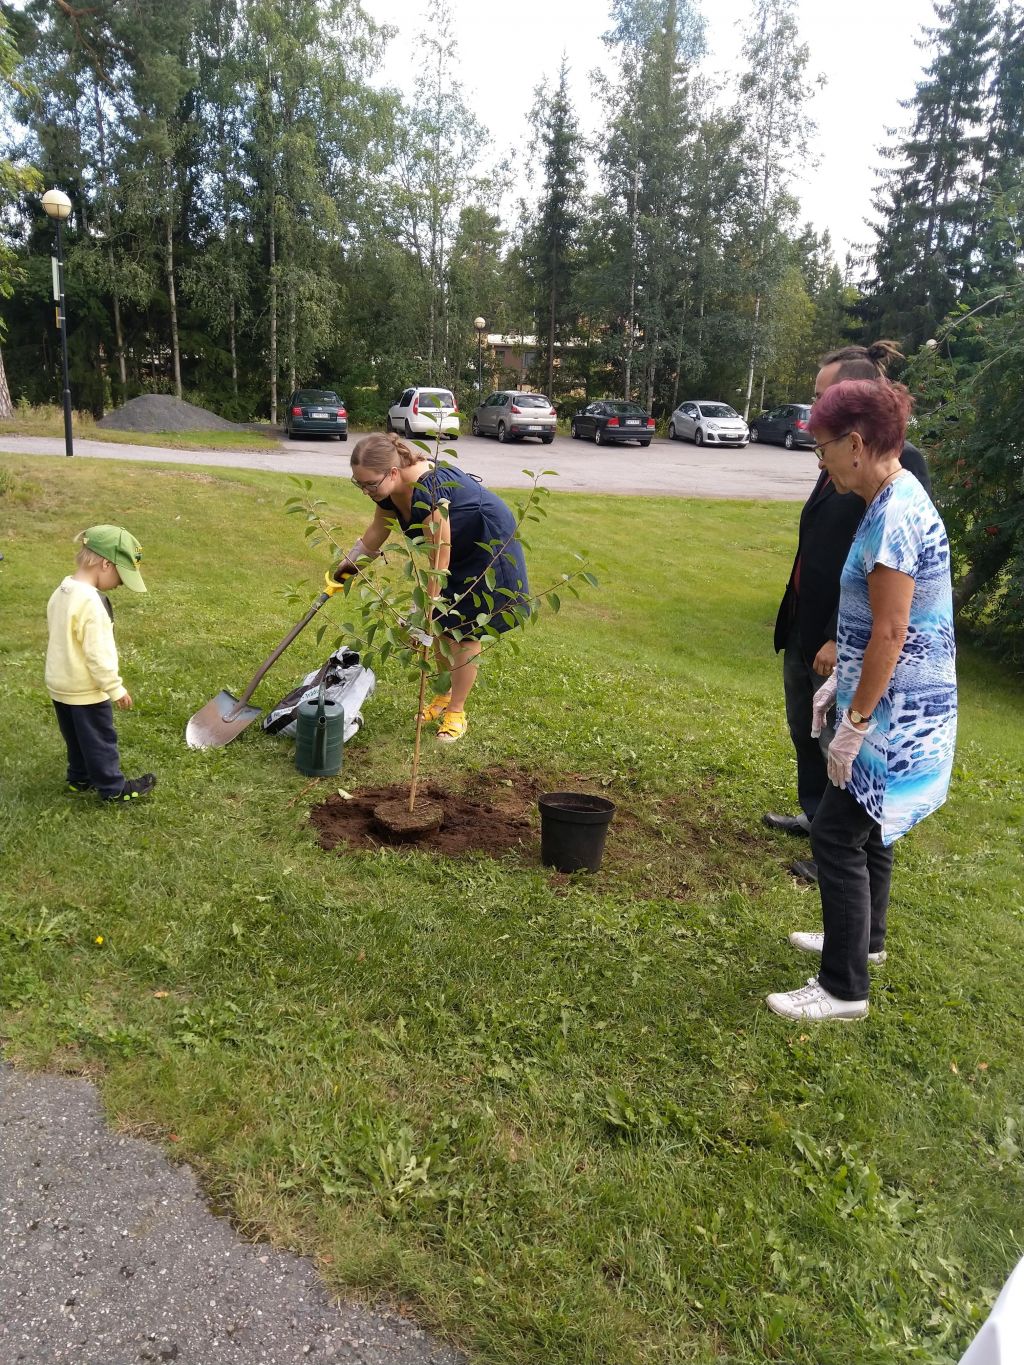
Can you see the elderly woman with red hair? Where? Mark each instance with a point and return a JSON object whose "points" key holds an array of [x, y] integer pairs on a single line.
{"points": [[894, 690]]}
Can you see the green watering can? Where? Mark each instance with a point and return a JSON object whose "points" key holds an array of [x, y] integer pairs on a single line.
{"points": [[319, 736]]}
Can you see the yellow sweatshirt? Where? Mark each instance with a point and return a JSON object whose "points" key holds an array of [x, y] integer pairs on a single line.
{"points": [[81, 657]]}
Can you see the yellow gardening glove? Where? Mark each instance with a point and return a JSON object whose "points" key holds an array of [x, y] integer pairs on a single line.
{"points": [[333, 584]]}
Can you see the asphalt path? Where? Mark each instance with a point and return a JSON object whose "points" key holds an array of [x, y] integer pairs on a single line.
{"points": [[109, 1256], [665, 468]]}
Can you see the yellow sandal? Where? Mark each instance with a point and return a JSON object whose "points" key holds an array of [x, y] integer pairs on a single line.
{"points": [[453, 727], [436, 707]]}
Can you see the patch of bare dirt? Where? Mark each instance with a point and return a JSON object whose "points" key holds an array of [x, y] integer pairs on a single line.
{"points": [[497, 812]]}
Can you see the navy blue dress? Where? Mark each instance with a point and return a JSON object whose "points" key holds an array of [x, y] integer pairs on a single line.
{"points": [[483, 529]]}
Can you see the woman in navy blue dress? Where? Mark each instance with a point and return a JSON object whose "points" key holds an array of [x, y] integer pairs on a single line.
{"points": [[478, 532]]}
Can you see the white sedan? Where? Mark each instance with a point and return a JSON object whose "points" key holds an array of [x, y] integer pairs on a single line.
{"points": [[708, 423]]}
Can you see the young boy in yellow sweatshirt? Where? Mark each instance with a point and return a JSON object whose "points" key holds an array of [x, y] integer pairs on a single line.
{"points": [[82, 675]]}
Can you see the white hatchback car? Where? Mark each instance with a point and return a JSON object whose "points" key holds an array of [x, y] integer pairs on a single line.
{"points": [[705, 421], [418, 412]]}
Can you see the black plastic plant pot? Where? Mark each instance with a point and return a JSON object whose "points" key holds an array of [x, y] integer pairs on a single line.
{"points": [[572, 830]]}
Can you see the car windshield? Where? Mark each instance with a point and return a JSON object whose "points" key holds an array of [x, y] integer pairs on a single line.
{"points": [[317, 396], [626, 409], [436, 398], [717, 410], [531, 400]]}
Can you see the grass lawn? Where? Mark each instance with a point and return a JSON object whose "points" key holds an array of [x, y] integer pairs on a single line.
{"points": [[49, 421], [552, 1114]]}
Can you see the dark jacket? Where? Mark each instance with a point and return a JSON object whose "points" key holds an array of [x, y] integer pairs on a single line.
{"points": [[828, 524]]}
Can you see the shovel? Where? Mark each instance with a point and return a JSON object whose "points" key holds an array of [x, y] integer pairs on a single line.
{"points": [[225, 717]]}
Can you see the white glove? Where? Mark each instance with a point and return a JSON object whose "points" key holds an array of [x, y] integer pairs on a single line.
{"points": [[822, 703], [844, 749]]}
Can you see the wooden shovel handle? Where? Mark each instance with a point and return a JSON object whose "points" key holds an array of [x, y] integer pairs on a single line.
{"points": [[273, 658]]}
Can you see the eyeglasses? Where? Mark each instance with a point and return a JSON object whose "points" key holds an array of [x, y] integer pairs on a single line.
{"points": [[371, 488], [820, 450]]}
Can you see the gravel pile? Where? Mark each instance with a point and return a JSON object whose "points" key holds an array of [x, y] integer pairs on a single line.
{"points": [[161, 412]]}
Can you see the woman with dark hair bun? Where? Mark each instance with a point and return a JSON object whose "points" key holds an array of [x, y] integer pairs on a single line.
{"points": [[410, 489], [893, 687]]}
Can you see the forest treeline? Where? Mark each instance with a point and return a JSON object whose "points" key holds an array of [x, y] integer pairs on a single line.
{"points": [[251, 211]]}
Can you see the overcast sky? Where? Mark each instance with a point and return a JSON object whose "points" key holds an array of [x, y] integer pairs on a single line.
{"points": [[866, 51]]}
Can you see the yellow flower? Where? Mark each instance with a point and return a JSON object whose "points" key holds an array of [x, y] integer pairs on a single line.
{"points": [[98, 938]]}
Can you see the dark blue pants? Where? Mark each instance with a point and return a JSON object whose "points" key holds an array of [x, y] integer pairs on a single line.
{"points": [[854, 874], [92, 745], [800, 682]]}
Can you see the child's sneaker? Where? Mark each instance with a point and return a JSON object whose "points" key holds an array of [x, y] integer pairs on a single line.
{"points": [[78, 787], [134, 788]]}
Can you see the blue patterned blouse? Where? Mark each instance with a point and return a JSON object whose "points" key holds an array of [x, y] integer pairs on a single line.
{"points": [[902, 771]]}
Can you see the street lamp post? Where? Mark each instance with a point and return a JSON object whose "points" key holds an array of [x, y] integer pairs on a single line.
{"points": [[481, 326], [58, 206]]}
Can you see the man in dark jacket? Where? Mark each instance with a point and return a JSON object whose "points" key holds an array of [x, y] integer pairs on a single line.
{"points": [[805, 629]]}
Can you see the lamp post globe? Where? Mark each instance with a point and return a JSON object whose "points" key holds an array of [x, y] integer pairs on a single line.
{"points": [[57, 206], [481, 326]]}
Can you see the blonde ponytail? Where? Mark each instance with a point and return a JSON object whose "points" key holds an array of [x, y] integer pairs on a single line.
{"points": [[382, 451]]}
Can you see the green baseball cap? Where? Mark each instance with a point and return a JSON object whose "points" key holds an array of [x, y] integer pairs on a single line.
{"points": [[121, 548]]}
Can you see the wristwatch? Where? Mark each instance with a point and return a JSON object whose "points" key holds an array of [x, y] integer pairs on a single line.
{"points": [[857, 717]]}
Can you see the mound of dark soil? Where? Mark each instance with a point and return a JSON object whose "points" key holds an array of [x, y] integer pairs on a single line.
{"points": [[490, 822], [161, 412]]}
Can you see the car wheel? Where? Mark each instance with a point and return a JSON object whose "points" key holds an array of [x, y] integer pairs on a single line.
{"points": [[387, 424], [501, 432], [788, 442], [573, 432], [547, 440], [644, 444], [343, 437], [755, 435], [475, 427], [699, 437], [408, 430], [598, 438], [671, 431]]}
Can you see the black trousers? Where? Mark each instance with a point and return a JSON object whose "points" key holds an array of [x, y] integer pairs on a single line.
{"points": [[800, 682], [854, 875], [92, 745]]}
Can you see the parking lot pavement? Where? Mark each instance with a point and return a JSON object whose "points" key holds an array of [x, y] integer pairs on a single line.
{"points": [[665, 468]]}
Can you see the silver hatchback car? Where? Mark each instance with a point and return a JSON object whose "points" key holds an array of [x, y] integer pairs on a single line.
{"points": [[510, 415], [707, 422]]}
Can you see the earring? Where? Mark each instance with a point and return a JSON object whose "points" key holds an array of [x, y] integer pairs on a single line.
{"points": [[856, 464]]}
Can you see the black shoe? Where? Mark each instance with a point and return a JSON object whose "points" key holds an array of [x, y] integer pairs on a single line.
{"points": [[134, 788], [788, 824], [78, 787], [806, 870]]}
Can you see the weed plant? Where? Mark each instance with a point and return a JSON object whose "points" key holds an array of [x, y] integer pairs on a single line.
{"points": [[552, 1114]]}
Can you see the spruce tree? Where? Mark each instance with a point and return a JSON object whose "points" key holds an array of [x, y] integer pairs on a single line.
{"points": [[929, 197], [551, 241]]}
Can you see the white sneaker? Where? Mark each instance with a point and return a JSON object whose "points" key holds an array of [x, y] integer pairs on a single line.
{"points": [[812, 943], [814, 1002]]}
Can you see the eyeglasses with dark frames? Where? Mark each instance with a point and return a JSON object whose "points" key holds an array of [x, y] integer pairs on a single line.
{"points": [[820, 450], [371, 488]]}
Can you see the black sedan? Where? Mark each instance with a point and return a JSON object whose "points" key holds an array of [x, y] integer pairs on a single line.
{"points": [[610, 421], [786, 425], [316, 412]]}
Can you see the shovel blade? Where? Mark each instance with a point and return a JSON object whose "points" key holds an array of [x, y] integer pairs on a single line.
{"points": [[219, 722]]}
